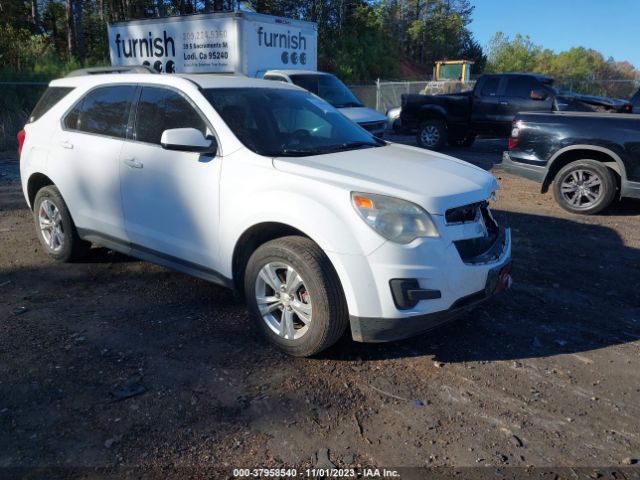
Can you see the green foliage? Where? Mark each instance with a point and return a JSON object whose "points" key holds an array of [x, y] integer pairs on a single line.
{"points": [[517, 55], [578, 69], [365, 51]]}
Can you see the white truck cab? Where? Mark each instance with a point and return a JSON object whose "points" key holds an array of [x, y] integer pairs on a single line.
{"points": [[265, 188], [331, 89]]}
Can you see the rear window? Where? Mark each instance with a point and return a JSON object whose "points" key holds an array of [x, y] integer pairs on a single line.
{"points": [[490, 87], [521, 87], [104, 111], [51, 96]]}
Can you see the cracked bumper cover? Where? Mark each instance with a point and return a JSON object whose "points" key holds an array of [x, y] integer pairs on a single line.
{"points": [[364, 329]]}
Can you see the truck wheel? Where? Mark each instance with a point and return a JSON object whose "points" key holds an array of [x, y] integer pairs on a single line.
{"points": [[465, 141], [585, 187], [55, 228], [432, 134], [294, 296]]}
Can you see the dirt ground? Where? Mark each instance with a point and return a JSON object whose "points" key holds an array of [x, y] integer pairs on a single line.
{"points": [[116, 362]]}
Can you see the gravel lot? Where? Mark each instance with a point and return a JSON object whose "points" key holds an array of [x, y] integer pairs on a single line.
{"points": [[115, 362]]}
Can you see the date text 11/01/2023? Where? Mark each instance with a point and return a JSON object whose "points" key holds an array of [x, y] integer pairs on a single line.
{"points": [[315, 473]]}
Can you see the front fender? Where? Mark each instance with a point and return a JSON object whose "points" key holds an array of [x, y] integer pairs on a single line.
{"points": [[322, 211], [335, 231]]}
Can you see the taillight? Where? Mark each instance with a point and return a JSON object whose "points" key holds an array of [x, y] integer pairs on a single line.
{"points": [[21, 137], [515, 133]]}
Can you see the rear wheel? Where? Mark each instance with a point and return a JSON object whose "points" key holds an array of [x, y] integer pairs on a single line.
{"points": [[432, 134], [55, 228], [294, 296], [585, 187]]}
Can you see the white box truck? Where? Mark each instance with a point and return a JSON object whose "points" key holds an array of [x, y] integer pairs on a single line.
{"points": [[246, 43], [235, 42]]}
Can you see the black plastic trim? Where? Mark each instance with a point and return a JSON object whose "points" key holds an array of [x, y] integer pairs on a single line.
{"points": [[153, 256], [406, 293]]}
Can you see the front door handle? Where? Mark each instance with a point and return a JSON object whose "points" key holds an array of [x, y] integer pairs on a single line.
{"points": [[66, 144], [504, 103], [133, 163]]}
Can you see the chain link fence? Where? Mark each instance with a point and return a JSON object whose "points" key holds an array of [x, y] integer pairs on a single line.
{"points": [[17, 100]]}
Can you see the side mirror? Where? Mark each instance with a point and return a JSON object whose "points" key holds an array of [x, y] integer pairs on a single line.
{"points": [[538, 95], [188, 140]]}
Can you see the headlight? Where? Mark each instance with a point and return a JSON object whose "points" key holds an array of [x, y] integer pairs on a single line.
{"points": [[396, 220]]}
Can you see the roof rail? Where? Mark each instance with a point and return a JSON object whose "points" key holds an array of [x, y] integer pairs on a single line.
{"points": [[100, 70]]}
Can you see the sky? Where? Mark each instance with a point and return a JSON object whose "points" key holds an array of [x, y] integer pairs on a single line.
{"points": [[609, 26]]}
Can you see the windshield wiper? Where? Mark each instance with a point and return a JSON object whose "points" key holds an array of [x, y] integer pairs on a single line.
{"points": [[290, 152], [352, 146]]}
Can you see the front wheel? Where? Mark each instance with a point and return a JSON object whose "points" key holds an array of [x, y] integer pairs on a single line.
{"points": [[294, 296], [584, 187], [432, 135]]}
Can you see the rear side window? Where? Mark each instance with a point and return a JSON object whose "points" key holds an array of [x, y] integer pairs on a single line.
{"points": [[490, 87], [521, 87], [103, 111], [161, 109], [51, 96]]}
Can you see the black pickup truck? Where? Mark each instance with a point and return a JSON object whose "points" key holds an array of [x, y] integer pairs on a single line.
{"points": [[589, 158], [490, 108]]}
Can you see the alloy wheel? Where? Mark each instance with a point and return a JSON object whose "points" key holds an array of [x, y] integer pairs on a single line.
{"points": [[581, 188], [430, 135], [51, 227], [283, 300]]}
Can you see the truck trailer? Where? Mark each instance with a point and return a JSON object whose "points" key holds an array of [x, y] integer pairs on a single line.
{"points": [[245, 43]]}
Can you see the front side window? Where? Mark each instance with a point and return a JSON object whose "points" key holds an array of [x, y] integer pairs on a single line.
{"points": [[161, 109], [103, 111], [327, 87], [287, 122]]}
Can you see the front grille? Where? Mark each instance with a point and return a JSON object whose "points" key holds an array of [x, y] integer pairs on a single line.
{"points": [[373, 126], [487, 248], [464, 214]]}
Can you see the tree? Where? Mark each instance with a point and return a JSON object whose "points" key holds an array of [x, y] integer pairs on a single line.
{"points": [[517, 55]]}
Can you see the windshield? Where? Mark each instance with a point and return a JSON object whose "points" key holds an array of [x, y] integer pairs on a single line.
{"points": [[283, 122], [328, 87]]}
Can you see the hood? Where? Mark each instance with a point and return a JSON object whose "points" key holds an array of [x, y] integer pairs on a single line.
{"points": [[432, 180], [362, 114]]}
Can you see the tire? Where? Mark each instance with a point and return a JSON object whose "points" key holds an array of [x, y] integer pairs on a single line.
{"points": [[55, 228], [314, 295], [465, 141], [432, 134], [584, 187]]}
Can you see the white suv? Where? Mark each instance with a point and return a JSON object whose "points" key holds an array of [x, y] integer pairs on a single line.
{"points": [[265, 188]]}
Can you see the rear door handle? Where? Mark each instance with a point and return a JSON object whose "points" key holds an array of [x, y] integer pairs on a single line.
{"points": [[66, 144], [133, 163], [504, 103]]}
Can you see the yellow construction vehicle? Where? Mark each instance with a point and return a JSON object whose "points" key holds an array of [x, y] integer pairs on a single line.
{"points": [[454, 70]]}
